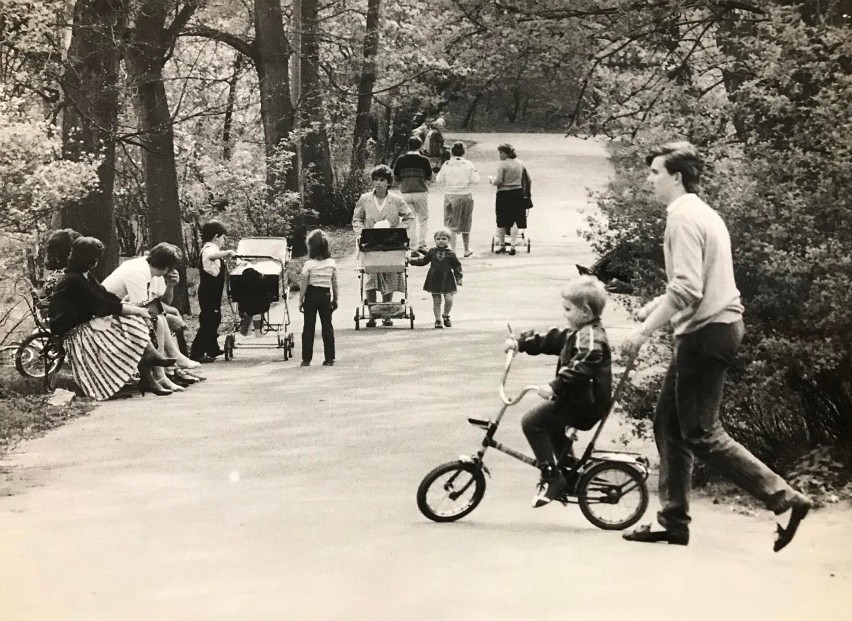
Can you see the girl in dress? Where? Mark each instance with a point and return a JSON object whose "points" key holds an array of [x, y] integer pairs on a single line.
{"points": [[445, 274]]}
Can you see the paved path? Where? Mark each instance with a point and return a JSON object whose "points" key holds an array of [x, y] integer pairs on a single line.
{"points": [[279, 492]]}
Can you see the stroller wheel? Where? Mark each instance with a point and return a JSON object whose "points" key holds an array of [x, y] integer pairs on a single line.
{"points": [[492, 244], [229, 347], [529, 244], [357, 320], [411, 316]]}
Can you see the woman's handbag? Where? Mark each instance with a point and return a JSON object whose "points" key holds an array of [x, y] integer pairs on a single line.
{"points": [[526, 187]]}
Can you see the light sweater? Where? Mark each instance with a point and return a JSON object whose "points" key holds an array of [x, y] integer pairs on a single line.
{"points": [[459, 175], [509, 173], [319, 273], [699, 266]]}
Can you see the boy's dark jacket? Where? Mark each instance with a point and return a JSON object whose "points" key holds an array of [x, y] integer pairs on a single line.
{"points": [[584, 371]]}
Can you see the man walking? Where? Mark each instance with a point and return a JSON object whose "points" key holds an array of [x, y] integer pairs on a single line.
{"points": [[703, 304], [412, 171]]}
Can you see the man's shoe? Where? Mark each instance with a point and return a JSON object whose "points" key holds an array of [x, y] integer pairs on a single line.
{"points": [[371, 323], [783, 536], [305, 363], [551, 485], [328, 363], [644, 534]]}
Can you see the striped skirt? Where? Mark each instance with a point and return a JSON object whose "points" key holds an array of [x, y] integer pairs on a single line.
{"points": [[104, 353]]}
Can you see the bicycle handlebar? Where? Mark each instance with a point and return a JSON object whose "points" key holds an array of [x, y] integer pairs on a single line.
{"points": [[510, 356]]}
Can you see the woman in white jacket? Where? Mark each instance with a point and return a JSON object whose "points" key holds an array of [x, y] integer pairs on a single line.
{"points": [[458, 174]]}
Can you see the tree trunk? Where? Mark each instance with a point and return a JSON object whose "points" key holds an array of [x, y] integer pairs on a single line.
{"points": [[229, 107], [272, 61], [150, 43], [90, 84], [361, 134], [315, 151]]}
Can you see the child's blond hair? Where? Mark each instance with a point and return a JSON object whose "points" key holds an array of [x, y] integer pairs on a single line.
{"points": [[588, 292], [441, 231]]}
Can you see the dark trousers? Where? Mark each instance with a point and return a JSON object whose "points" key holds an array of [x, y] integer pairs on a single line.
{"points": [[206, 341], [686, 424], [544, 428], [317, 300]]}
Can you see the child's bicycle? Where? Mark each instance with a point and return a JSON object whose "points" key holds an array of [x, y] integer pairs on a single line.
{"points": [[608, 485]]}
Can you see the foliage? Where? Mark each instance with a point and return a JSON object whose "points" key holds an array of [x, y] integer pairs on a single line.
{"points": [[34, 179], [777, 169]]}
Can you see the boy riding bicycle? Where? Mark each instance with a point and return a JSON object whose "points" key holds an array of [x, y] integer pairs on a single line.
{"points": [[580, 393]]}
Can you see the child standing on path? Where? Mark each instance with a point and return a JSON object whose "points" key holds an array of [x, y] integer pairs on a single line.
{"points": [[318, 294], [582, 390], [205, 347], [445, 272]]}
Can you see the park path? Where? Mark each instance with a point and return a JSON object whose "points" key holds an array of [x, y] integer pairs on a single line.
{"points": [[285, 493]]}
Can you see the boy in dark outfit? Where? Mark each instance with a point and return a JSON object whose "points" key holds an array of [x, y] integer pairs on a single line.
{"points": [[205, 347], [581, 392]]}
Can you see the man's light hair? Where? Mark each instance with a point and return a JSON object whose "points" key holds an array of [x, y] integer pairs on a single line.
{"points": [[586, 291]]}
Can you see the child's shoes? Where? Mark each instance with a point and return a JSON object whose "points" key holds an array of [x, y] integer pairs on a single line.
{"points": [[447, 322], [438, 324]]}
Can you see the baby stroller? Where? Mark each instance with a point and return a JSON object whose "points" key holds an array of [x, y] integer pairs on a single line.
{"points": [[521, 240], [259, 286], [383, 251]]}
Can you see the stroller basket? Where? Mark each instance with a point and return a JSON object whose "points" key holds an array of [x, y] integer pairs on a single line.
{"points": [[382, 250]]}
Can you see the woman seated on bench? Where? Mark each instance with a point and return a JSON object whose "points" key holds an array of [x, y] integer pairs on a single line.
{"points": [[106, 341]]}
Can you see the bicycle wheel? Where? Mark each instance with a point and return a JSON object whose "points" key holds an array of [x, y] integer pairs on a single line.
{"points": [[451, 491], [38, 353], [612, 495]]}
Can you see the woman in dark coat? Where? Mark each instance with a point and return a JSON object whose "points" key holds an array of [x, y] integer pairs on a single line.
{"points": [[105, 340]]}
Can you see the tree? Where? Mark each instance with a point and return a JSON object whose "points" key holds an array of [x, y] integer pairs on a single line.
{"points": [[150, 45], [361, 134], [90, 85]]}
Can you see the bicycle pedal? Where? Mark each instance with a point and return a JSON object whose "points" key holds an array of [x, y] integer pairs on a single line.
{"points": [[482, 424]]}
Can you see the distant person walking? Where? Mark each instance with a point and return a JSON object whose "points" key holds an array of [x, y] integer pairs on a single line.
{"points": [[412, 171], [458, 175], [510, 206], [703, 304]]}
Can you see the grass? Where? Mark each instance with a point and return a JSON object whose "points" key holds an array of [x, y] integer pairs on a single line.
{"points": [[24, 409]]}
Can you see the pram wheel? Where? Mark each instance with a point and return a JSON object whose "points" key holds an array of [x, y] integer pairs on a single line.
{"points": [[493, 243], [451, 491], [357, 320], [229, 347], [529, 244], [612, 495], [411, 316]]}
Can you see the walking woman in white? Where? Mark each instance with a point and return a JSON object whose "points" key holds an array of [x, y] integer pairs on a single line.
{"points": [[459, 175]]}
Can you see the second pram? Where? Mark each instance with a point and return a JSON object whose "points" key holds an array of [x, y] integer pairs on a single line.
{"points": [[259, 286], [383, 268]]}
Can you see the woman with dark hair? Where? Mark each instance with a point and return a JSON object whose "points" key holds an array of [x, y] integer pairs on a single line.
{"points": [[380, 209], [105, 340], [459, 175], [510, 205]]}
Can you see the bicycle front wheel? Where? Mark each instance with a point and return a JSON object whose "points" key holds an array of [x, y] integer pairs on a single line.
{"points": [[451, 491], [612, 495], [38, 354]]}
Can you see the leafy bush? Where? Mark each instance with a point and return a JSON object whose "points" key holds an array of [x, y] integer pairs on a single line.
{"points": [[779, 181]]}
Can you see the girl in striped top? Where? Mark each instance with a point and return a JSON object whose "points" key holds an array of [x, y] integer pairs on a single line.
{"points": [[318, 295]]}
